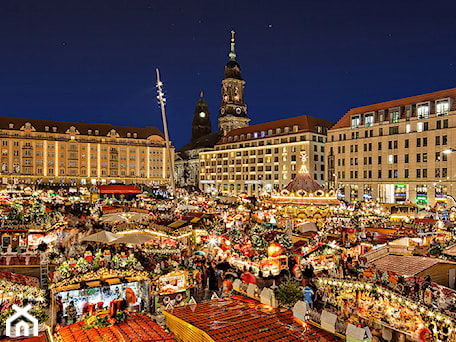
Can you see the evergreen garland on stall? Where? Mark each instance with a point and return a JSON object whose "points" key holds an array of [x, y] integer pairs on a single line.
{"points": [[285, 241], [257, 238]]}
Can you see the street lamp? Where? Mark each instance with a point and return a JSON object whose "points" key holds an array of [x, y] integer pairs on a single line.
{"points": [[450, 169]]}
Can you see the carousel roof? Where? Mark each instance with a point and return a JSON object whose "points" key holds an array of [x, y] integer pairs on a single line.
{"points": [[305, 201], [303, 181], [304, 190]]}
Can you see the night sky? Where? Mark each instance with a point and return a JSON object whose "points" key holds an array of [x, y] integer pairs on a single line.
{"points": [[95, 61]]}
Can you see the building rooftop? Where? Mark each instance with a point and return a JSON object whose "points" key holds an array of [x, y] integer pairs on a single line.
{"points": [[406, 265], [83, 128], [344, 122], [304, 123], [206, 141]]}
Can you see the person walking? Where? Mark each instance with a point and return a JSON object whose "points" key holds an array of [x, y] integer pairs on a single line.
{"points": [[220, 283]]}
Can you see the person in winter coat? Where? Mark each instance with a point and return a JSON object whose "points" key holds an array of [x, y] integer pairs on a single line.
{"points": [[220, 283], [212, 278], [71, 313]]}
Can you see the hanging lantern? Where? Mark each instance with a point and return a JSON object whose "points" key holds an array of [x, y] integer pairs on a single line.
{"points": [[275, 249]]}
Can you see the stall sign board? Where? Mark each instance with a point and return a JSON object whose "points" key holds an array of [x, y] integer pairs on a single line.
{"points": [[6, 241], [237, 284], [328, 321], [356, 334], [267, 297], [251, 290], [300, 310]]}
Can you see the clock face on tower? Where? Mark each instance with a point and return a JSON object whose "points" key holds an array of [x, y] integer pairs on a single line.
{"points": [[202, 114], [238, 110]]}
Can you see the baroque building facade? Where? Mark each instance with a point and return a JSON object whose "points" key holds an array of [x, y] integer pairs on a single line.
{"points": [[57, 153], [396, 151], [264, 157]]}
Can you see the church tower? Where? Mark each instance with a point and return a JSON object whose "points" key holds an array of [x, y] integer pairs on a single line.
{"points": [[201, 124], [233, 110]]}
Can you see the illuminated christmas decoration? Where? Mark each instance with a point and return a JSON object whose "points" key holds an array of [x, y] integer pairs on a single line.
{"points": [[304, 190], [275, 249], [225, 242]]}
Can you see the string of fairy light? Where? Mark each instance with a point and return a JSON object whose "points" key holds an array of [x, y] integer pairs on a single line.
{"points": [[391, 295]]}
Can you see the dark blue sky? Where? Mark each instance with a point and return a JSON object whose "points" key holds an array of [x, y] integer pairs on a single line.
{"points": [[95, 60]]}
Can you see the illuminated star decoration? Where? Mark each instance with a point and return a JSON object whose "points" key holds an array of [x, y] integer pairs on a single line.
{"points": [[303, 157]]}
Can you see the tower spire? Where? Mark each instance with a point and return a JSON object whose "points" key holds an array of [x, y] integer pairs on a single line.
{"points": [[232, 54], [201, 94]]}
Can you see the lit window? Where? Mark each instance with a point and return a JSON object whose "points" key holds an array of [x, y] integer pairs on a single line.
{"points": [[394, 115], [255, 135], [408, 128], [442, 107], [369, 120], [422, 111], [419, 127], [390, 159], [355, 121]]}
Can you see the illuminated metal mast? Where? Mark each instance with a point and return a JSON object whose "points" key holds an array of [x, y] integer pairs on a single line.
{"points": [[165, 126]]}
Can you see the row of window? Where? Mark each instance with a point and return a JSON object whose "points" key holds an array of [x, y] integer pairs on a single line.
{"points": [[253, 168], [393, 144], [268, 176], [420, 127], [73, 147], [276, 141], [72, 129], [420, 173], [28, 153], [258, 152], [393, 115], [393, 159], [61, 172]]}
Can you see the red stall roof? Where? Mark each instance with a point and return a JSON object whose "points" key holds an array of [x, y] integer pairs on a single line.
{"points": [[118, 189], [134, 329], [242, 319]]}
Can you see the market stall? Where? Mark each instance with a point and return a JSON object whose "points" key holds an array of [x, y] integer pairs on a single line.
{"points": [[99, 292], [383, 310], [172, 288]]}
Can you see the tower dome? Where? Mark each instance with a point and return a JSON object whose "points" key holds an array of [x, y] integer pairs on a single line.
{"points": [[201, 124], [233, 110], [232, 68]]}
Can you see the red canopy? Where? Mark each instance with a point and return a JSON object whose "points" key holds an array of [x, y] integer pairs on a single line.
{"points": [[118, 189], [425, 220]]}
